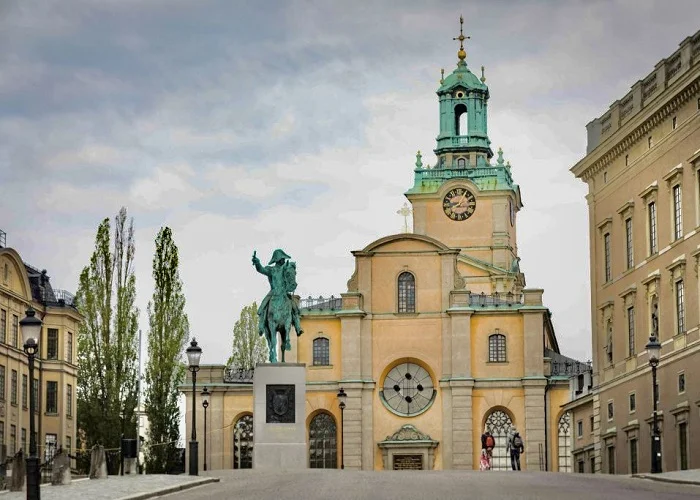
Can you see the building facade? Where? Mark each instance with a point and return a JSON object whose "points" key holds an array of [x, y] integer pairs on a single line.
{"points": [[642, 168], [436, 337], [55, 373]]}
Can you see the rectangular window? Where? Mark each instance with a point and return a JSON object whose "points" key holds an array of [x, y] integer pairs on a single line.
{"points": [[36, 395], [629, 244], [683, 445], [15, 330], [592, 424], [677, 213], [634, 467], [69, 400], [2, 383], [51, 397], [13, 438], [606, 245], [25, 390], [321, 352], [3, 325], [69, 347], [681, 383], [611, 412], [52, 343], [653, 248], [579, 428], [674, 123], [631, 332], [680, 307], [13, 388], [24, 440], [611, 460], [633, 402]]}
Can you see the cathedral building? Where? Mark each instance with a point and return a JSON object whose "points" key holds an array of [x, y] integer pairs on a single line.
{"points": [[435, 339]]}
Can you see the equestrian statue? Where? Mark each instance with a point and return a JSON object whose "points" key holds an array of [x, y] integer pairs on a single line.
{"points": [[278, 310]]}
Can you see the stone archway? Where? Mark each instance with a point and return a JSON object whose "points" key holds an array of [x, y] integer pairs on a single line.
{"points": [[323, 450], [564, 463], [499, 424]]}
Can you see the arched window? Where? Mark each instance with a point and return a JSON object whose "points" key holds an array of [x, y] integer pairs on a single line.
{"points": [[460, 119], [243, 443], [461, 163], [321, 352], [499, 424], [497, 348], [323, 451], [407, 293], [564, 452]]}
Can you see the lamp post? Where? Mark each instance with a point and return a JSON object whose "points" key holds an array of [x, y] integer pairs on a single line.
{"points": [[341, 398], [194, 352], [31, 330], [205, 404], [654, 350]]}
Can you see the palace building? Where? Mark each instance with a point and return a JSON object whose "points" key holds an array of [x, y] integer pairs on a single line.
{"points": [[436, 337], [55, 367], [642, 167]]}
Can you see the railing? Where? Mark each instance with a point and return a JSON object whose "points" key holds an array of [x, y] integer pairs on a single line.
{"points": [[321, 303], [57, 297], [233, 375], [495, 300], [571, 367]]}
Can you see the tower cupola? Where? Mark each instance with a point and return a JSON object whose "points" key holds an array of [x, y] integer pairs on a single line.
{"points": [[463, 140]]}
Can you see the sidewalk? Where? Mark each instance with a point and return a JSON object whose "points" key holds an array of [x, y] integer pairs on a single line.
{"points": [[136, 487], [679, 477]]}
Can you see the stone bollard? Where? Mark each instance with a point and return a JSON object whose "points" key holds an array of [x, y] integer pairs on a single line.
{"points": [[60, 472], [98, 462], [19, 472]]}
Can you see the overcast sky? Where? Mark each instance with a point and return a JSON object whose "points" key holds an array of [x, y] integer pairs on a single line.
{"points": [[255, 125]]}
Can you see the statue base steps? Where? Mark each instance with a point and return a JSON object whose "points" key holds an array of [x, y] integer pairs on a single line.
{"points": [[279, 433]]}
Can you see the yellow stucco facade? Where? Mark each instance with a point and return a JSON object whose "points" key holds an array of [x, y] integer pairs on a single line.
{"points": [[435, 338], [55, 373]]}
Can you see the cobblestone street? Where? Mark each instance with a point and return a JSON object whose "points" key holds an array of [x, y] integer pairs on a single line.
{"points": [[112, 488]]}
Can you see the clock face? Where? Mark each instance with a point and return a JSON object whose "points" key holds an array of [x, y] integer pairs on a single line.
{"points": [[459, 204], [512, 211], [408, 390]]}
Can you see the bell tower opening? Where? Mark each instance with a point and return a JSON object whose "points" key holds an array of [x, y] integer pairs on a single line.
{"points": [[461, 120]]}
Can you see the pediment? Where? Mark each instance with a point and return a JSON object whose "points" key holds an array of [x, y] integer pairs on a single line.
{"points": [[408, 432], [18, 281], [405, 242]]}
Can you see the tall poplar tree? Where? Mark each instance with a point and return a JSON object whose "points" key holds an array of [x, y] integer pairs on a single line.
{"points": [[249, 348], [167, 336], [107, 338]]}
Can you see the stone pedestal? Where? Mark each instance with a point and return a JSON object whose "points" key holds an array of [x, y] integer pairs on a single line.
{"points": [[279, 428]]}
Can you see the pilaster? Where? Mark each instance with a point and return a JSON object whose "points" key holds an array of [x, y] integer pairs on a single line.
{"points": [[534, 422], [352, 426], [462, 427]]}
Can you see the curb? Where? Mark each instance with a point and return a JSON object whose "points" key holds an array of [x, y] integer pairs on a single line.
{"points": [[666, 479], [172, 489]]}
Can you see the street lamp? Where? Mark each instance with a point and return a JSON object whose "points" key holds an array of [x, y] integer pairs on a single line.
{"points": [[654, 351], [341, 398], [194, 352], [31, 331], [205, 404]]}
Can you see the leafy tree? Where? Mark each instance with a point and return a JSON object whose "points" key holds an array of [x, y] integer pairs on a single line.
{"points": [[107, 339], [249, 348], [168, 332]]}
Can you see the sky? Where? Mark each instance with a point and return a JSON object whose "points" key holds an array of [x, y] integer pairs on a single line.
{"points": [[256, 125]]}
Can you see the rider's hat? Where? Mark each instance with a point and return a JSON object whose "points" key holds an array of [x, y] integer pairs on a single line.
{"points": [[277, 255]]}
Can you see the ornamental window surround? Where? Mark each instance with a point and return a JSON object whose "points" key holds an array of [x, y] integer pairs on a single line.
{"points": [[629, 296], [677, 275], [606, 339], [626, 212], [674, 183]]}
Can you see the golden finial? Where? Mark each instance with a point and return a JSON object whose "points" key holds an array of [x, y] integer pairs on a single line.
{"points": [[483, 78], [461, 54], [442, 76]]}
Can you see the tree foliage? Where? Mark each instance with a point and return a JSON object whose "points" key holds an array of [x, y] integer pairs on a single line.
{"points": [[249, 348], [107, 338], [167, 336]]}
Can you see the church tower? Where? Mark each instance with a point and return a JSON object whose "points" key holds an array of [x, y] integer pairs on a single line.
{"points": [[465, 200]]}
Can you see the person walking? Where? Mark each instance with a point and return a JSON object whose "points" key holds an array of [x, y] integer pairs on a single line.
{"points": [[516, 447]]}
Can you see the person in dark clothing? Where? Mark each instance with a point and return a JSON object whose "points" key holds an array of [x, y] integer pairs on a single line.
{"points": [[516, 446]]}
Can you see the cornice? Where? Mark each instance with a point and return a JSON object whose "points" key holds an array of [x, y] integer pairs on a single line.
{"points": [[656, 117]]}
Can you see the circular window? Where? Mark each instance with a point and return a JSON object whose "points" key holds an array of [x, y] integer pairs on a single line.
{"points": [[407, 390]]}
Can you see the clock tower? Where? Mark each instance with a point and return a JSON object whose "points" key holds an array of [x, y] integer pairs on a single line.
{"points": [[468, 200]]}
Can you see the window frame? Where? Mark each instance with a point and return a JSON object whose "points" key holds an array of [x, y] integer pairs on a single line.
{"points": [[629, 243], [677, 212], [3, 382], [406, 293], [498, 348], [679, 302], [25, 390], [14, 387], [634, 457], [14, 331], [3, 326], [319, 340], [69, 347], [607, 257], [51, 394], [52, 344], [579, 429], [681, 377], [653, 229], [632, 402], [69, 401], [631, 332], [611, 410]]}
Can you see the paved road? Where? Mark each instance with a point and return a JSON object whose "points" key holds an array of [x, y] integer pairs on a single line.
{"points": [[433, 485]]}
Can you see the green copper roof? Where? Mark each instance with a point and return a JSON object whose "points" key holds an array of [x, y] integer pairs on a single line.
{"points": [[462, 77], [488, 178]]}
